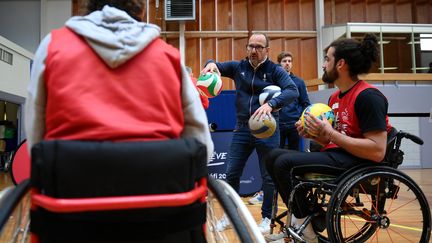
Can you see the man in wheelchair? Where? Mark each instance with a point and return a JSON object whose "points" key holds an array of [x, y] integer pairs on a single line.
{"points": [[360, 130]]}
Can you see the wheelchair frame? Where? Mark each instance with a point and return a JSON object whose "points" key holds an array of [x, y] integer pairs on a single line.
{"points": [[344, 194]]}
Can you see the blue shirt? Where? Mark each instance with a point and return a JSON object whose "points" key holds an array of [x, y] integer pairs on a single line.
{"points": [[290, 113], [249, 84]]}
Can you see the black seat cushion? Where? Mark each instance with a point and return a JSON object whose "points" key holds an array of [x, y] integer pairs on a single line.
{"points": [[316, 172], [326, 173], [322, 169]]}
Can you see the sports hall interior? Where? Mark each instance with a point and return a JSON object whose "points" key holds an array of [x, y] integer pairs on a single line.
{"points": [[219, 30]]}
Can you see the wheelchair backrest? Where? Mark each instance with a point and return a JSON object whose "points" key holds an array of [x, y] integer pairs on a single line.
{"points": [[394, 156], [69, 169], [118, 173], [391, 141]]}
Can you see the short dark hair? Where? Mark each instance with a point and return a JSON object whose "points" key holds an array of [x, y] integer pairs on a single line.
{"points": [[284, 54], [132, 7], [265, 36], [358, 55]]}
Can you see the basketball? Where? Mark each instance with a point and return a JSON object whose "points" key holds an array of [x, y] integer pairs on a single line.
{"points": [[269, 93], [317, 109], [262, 128], [209, 84]]}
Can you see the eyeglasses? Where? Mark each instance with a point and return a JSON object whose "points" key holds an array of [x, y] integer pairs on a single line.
{"points": [[256, 47]]}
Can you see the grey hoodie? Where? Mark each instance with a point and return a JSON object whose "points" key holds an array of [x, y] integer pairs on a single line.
{"points": [[113, 34], [115, 37]]}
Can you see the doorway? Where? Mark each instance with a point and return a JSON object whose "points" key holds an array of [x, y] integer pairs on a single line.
{"points": [[9, 125]]}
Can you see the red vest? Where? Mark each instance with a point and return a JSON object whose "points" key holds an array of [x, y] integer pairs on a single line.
{"points": [[346, 121], [87, 100]]}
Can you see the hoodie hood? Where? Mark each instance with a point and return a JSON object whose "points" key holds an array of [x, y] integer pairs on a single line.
{"points": [[113, 34]]}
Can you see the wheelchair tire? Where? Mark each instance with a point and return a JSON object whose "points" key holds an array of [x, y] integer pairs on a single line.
{"points": [[217, 188], [378, 203]]}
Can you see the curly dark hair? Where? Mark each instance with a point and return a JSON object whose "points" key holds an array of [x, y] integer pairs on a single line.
{"points": [[358, 55], [133, 7]]}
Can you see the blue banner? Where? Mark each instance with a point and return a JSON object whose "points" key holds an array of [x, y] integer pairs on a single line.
{"points": [[251, 181]]}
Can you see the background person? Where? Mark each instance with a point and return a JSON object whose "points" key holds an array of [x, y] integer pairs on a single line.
{"points": [[291, 113], [204, 100], [361, 125], [251, 75], [288, 115], [257, 198]]}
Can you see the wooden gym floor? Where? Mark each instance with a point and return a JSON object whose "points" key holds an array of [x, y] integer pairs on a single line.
{"points": [[421, 176]]}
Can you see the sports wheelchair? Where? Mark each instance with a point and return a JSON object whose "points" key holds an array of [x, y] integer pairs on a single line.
{"points": [[369, 202]]}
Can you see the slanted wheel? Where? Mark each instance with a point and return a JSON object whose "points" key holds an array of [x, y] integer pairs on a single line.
{"points": [[380, 204]]}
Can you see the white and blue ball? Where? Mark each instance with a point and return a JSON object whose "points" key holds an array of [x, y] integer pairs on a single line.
{"points": [[269, 93], [262, 128]]}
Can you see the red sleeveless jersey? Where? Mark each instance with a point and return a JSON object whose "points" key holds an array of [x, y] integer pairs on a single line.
{"points": [[346, 121], [87, 100]]}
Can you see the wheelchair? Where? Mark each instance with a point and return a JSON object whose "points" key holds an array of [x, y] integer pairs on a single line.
{"points": [[376, 203]]}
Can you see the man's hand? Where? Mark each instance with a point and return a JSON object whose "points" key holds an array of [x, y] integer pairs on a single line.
{"points": [[322, 128], [301, 131], [210, 67], [263, 111]]}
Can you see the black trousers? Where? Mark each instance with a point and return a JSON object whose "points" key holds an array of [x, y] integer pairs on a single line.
{"points": [[279, 163], [293, 138]]}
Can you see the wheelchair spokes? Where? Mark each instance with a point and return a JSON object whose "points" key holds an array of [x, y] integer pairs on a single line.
{"points": [[225, 210], [382, 207], [16, 229], [214, 214]]}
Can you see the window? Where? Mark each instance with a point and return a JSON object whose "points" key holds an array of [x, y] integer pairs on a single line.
{"points": [[6, 56]]}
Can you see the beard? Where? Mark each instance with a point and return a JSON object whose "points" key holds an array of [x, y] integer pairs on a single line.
{"points": [[330, 77]]}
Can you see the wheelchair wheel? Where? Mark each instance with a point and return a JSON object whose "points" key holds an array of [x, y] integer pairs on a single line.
{"points": [[381, 204], [224, 202]]}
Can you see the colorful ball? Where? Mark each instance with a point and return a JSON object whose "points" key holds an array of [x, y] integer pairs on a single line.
{"points": [[317, 110], [269, 93], [262, 128], [209, 84]]}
